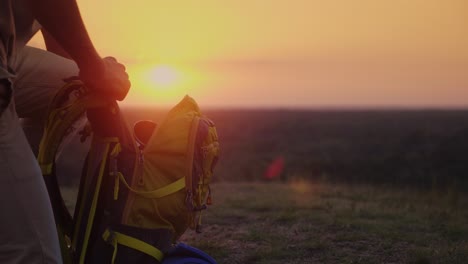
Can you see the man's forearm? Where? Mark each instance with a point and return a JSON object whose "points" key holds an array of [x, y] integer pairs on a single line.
{"points": [[53, 46], [62, 19]]}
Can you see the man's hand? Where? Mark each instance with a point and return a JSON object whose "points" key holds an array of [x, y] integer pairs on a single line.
{"points": [[108, 79]]}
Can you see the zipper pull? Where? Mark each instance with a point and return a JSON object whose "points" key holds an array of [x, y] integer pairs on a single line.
{"points": [[141, 157]]}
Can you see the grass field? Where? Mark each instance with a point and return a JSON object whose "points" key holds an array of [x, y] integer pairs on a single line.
{"points": [[301, 222]]}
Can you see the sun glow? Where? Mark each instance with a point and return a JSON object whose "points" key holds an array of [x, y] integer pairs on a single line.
{"points": [[164, 76], [163, 84]]}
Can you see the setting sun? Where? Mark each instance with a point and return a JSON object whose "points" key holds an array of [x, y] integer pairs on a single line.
{"points": [[164, 84], [164, 76]]}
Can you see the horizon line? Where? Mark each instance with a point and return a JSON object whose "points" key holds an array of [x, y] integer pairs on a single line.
{"points": [[314, 108]]}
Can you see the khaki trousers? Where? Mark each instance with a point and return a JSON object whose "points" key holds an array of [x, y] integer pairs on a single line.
{"points": [[27, 228]]}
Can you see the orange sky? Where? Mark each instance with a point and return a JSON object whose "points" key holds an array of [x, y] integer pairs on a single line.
{"points": [[295, 53]]}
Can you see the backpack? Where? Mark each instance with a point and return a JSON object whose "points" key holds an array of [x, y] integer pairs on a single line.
{"points": [[138, 192]]}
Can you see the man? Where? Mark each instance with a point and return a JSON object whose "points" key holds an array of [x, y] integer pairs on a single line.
{"points": [[28, 79]]}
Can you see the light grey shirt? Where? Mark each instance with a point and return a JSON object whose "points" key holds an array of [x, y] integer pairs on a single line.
{"points": [[17, 26]]}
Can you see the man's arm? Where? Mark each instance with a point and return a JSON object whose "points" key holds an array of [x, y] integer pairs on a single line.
{"points": [[52, 45], [62, 19]]}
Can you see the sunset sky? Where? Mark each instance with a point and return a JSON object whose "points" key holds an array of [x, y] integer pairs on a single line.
{"points": [[289, 54]]}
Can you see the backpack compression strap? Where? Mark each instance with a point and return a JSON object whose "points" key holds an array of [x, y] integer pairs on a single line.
{"points": [[115, 238], [154, 194], [158, 193]]}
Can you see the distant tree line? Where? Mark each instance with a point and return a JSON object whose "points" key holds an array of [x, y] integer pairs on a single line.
{"points": [[423, 149]]}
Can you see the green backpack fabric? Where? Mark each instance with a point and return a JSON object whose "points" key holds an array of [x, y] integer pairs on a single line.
{"points": [[136, 198]]}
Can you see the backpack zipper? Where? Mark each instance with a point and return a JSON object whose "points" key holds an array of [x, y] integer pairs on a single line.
{"points": [[141, 160]]}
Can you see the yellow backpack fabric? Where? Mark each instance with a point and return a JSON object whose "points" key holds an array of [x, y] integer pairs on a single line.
{"points": [[178, 163]]}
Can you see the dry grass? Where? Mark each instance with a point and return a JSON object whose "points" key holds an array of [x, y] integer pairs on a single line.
{"points": [[301, 222]]}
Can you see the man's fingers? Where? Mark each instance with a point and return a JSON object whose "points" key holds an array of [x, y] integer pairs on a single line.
{"points": [[128, 84], [110, 58], [119, 66], [113, 61]]}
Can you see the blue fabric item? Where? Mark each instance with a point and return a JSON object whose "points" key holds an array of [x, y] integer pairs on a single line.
{"points": [[185, 254]]}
